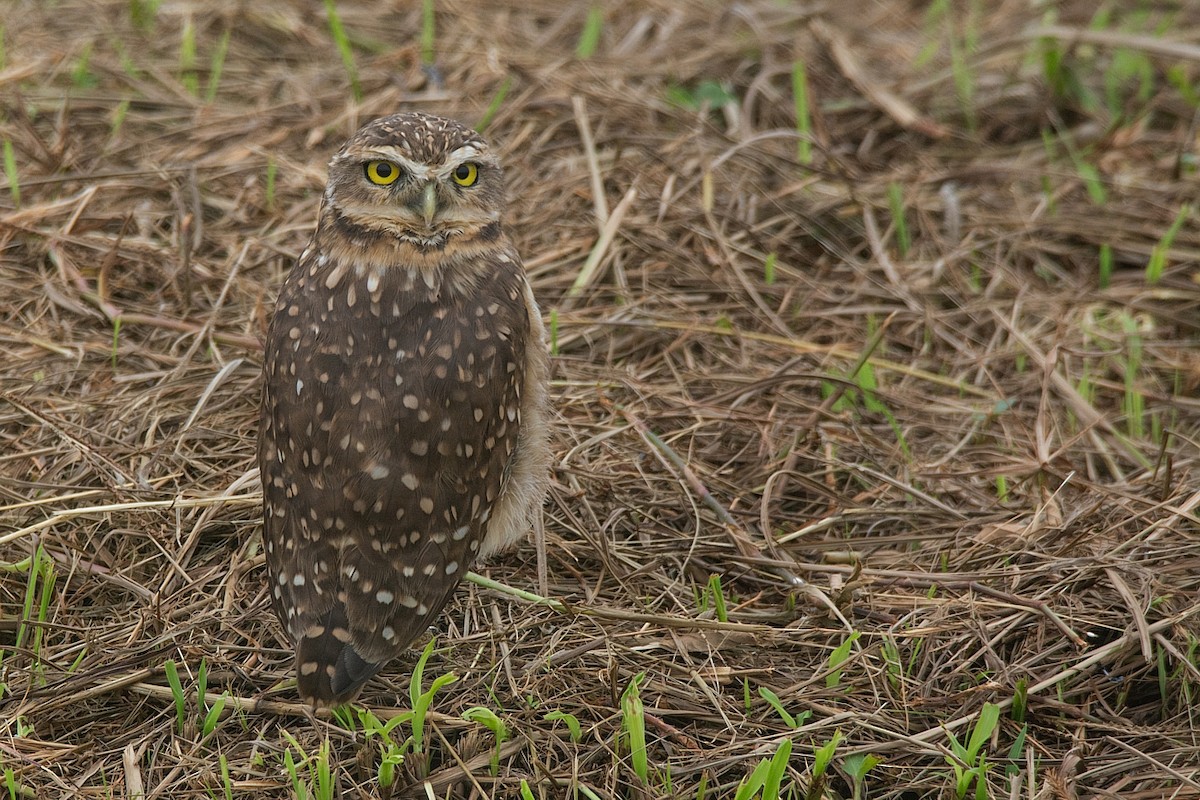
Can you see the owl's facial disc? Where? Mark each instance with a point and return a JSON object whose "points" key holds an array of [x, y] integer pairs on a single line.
{"points": [[421, 200]]}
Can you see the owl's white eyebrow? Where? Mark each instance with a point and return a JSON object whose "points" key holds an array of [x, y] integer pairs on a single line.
{"points": [[464, 152]]}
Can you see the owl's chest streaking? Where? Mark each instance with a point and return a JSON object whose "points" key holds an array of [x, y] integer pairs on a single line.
{"points": [[390, 417]]}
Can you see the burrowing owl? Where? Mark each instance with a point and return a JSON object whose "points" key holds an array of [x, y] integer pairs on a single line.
{"points": [[403, 430]]}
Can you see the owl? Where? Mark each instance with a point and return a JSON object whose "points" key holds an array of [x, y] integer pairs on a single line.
{"points": [[403, 429]]}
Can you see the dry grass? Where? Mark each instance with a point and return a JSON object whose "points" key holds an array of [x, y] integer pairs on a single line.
{"points": [[1001, 498]]}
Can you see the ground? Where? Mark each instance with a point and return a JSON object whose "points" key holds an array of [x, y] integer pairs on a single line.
{"points": [[875, 384]]}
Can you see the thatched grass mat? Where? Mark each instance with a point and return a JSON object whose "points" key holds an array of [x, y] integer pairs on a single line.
{"points": [[928, 345]]}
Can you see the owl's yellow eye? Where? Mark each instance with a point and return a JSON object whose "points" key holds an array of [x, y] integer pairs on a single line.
{"points": [[382, 173], [466, 174]]}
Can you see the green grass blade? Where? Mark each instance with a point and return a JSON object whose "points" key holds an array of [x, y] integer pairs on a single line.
{"points": [[776, 769], [10, 172], [837, 658], [216, 67], [571, 722], [176, 693], [187, 58], [589, 37], [989, 715], [777, 704], [802, 115], [494, 106], [428, 31], [633, 720], [345, 49]]}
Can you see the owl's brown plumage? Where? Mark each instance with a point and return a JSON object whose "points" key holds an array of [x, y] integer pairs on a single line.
{"points": [[403, 428]]}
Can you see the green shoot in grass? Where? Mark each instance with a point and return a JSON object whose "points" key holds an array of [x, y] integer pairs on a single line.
{"points": [[1158, 255], [422, 700], [494, 106], [571, 722], [1106, 265], [142, 13], [213, 718], [708, 94], [46, 579], [802, 116], [82, 76], [10, 171], [793, 721], [718, 598], [526, 792], [323, 774], [1181, 81], [1164, 696], [837, 658], [216, 67], [226, 782], [127, 64], [118, 118], [769, 269], [1020, 701], [589, 38], [941, 14], [176, 693], [187, 58], [822, 758], [338, 32], [1133, 401], [299, 792], [116, 337], [428, 31], [391, 754], [272, 169], [202, 683], [39, 587], [320, 783], [766, 781], [487, 718], [899, 218], [1086, 171], [867, 381], [554, 331], [345, 716], [10, 782], [633, 724], [968, 762], [1016, 753], [857, 766], [1002, 488]]}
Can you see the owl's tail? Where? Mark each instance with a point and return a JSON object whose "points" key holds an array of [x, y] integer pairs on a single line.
{"points": [[329, 672]]}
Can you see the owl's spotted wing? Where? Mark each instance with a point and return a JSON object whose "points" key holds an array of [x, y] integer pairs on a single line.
{"points": [[391, 415]]}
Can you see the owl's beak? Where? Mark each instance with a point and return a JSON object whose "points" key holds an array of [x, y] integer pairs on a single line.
{"points": [[429, 203]]}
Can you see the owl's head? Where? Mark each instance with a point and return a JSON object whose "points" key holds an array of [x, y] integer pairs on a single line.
{"points": [[417, 179]]}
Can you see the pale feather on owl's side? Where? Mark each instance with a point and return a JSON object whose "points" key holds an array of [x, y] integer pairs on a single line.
{"points": [[404, 426]]}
